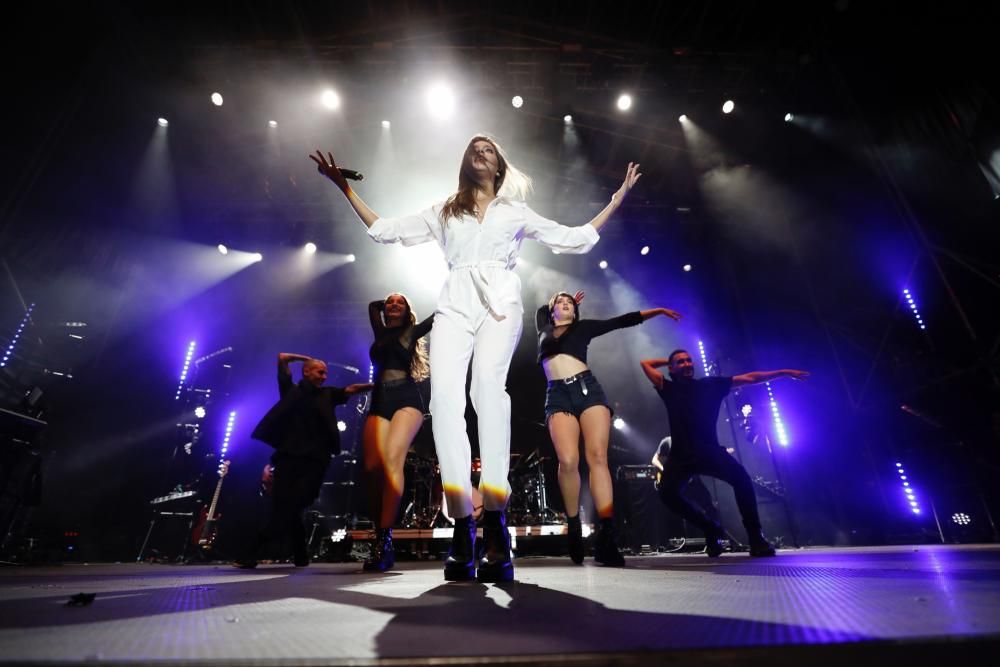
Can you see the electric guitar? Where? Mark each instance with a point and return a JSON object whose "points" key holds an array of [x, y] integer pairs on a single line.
{"points": [[206, 527]]}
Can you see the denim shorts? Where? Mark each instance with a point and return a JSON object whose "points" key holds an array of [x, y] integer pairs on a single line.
{"points": [[388, 397], [574, 395]]}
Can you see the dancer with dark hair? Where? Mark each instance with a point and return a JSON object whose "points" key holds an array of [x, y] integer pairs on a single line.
{"points": [[302, 428], [479, 317], [575, 403], [693, 409], [400, 402]]}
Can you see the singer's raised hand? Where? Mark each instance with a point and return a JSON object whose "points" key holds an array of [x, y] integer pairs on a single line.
{"points": [[326, 166]]}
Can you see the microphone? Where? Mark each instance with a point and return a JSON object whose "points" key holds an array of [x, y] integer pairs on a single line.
{"points": [[352, 175]]}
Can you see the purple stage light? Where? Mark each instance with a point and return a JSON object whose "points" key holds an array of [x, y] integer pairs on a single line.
{"points": [[913, 307], [17, 335], [908, 492], [184, 370], [704, 357], [779, 426], [228, 435]]}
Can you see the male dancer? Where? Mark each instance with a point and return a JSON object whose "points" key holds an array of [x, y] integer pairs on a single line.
{"points": [[302, 428], [693, 409]]}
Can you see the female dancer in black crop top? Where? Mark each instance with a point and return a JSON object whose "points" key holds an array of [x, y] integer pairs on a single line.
{"points": [[575, 402], [399, 402]]}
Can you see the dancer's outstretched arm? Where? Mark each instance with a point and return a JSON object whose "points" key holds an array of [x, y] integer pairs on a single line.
{"points": [[649, 367], [757, 377]]}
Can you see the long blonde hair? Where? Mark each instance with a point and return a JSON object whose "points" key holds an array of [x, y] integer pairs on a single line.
{"points": [[420, 367], [510, 182]]}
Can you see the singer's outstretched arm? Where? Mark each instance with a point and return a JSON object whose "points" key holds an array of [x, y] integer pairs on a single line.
{"points": [[328, 168]]}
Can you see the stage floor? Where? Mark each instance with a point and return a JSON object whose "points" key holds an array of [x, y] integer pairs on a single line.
{"points": [[818, 605]]}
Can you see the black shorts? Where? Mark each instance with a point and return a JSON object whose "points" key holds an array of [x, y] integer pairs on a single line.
{"points": [[574, 395], [393, 395]]}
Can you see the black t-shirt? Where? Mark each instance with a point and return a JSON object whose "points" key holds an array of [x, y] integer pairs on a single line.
{"points": [[693, 409], [303, 422], [394, 347], [577, 336]]}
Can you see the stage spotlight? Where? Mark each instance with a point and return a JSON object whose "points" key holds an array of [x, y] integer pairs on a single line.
{"points": [[603, 264], [341, 425], [330, 99], [310, 248], [351, 257], [217, 99], [788, 117], [687, 267], [272, 123], [619, 423], [728, 106], [645, 250], [568, 119], [338, 535], [683, 117], [961, 518], [624, 102], [162, 122], [746, 410], [440, 101], [517, 101], [222, 249], [386, 124], [257, 257], [199, 412]]}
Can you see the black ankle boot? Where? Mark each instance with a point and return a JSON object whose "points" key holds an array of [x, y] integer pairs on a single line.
{"points": [[381, 557], [495, 564], [575, 539], [461, 562], [759, 546], [606, 550], [713, 541]]}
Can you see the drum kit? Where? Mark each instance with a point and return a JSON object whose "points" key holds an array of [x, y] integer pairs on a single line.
{"points": [[425, 505]]}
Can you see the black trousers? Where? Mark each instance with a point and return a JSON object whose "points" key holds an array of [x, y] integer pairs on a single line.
{"points": [[713, 463], [297, 482]]}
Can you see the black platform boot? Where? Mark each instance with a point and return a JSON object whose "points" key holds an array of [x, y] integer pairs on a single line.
{"points": [[381, 557], [495, 565], [606, 550], [461, 562], [575, 539], [759, 546]]}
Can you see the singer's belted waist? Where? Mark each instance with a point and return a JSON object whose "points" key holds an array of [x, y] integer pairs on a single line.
{"points": [[486, 264]]}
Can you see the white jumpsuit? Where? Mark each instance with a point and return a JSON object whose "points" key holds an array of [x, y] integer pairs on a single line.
{"points": [[479, 315]]}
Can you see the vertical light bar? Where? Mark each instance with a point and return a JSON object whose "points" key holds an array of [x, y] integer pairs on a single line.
{"points": [[225, 439], [704, 357], [17, 335], [779, 426], [371, 373], [184, 371], [911, 496], [913, 307]]}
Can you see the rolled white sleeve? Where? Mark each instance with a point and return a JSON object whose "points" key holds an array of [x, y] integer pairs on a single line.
{"points": [[572, 240], [408, 229]]}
